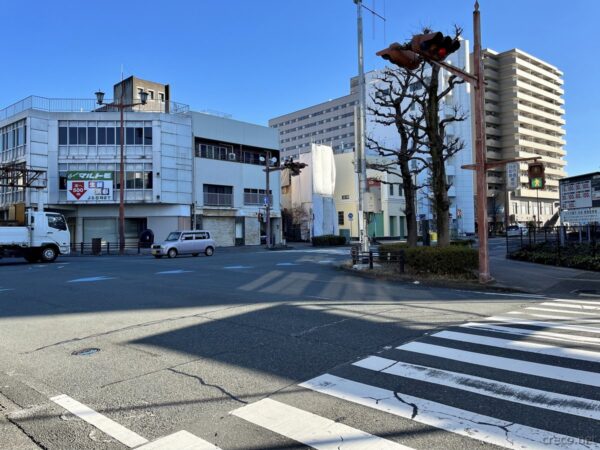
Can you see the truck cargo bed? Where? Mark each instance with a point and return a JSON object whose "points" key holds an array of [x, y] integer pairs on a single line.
{"points": [[14, 236]]}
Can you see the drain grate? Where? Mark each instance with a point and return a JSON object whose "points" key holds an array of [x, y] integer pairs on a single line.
{"points": [[85, 352]]}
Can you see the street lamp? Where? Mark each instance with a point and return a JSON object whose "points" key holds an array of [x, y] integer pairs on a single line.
{"points": [[121, 106], [268, 161]]}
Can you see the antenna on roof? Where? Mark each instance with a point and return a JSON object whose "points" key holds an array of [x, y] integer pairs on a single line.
{"points": [[373, 14]]}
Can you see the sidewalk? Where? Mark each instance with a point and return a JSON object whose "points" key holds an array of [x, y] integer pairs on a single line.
{"points": [[540, 278]]}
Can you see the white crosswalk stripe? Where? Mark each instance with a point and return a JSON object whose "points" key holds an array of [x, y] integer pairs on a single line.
{"points": [[310, 429], [506, 381], [499, 432], [491, 388]]}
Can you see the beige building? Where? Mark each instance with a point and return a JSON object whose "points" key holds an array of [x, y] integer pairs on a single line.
{"points": [[524, 118], [390, 221]]}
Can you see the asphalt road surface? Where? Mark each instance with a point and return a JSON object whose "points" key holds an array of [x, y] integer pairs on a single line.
{"points": [[251, 349]]}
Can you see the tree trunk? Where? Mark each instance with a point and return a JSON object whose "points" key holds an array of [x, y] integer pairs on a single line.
{"points": [[442, 205], [409, 208], [439, 185]]}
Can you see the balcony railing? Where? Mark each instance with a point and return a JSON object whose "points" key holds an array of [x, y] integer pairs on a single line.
{"points": [[85, 105], [252, 198], [211, 199]]}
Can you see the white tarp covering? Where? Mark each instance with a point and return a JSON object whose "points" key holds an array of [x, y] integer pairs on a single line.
{"points": [[313, 190]]}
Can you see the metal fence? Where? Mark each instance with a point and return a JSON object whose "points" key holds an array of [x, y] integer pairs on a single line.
{"points": [[361, 257], [84, 105], [561, 238], [107, 248]]}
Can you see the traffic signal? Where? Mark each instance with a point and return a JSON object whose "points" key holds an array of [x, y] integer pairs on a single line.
{"points": [[434, 46], [537, 177], [294, 167], [401, 56]]}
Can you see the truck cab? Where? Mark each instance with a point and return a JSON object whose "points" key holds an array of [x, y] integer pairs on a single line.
{"points": [[49, 233], [44, 236]]}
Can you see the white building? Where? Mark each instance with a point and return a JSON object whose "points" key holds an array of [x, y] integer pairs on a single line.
{"points": [[77, 144], [52, 138], [230, 181]]}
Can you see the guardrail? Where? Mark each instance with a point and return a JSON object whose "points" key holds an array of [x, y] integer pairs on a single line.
{"points": [[361, 257]]}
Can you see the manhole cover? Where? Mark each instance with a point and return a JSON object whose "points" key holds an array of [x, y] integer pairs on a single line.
{"points": [[588, 292], [85, 352]]}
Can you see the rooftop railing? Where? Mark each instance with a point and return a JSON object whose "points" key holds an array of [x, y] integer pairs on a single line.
{"points": [[86, 105]]}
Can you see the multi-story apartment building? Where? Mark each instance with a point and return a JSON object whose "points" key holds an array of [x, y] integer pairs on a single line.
{"points": [[524, 109], [330, 123], [181, 169]]}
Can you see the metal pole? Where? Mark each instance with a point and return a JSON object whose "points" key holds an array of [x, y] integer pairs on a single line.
{"points": [[268, 202], [539, 214], [480, 155], [360, 132], [122, 183]]}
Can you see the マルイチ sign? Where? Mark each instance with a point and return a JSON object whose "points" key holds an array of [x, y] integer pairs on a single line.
{"points": [[95, 186]]}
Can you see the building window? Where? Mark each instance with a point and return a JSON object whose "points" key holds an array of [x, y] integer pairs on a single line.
{"points": [[150, 94], [345, 197], [161, 97], [256, 196], [217, 195], [91, 135], [62, 136], [148, 136], [340, 217], [391, 189]]}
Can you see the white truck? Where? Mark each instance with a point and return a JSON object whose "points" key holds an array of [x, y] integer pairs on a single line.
{"points": [[43, 238]]}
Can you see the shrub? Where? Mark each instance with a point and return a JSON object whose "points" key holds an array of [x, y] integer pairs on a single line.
{"points": [[463, 242], [453, 260], [457, 260], [328, 240]]}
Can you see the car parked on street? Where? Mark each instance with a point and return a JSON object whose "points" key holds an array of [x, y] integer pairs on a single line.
{"points": [[516, 230], [186, 242]]}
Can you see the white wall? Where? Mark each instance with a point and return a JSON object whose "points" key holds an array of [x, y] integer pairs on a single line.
{"points": [[238, 175]]}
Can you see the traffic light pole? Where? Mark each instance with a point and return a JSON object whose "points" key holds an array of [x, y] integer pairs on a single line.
{"points": [[476, 79]]}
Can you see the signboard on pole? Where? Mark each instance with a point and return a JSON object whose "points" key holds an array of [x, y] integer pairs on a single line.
{"points": [[512, 176], [90, 186]]}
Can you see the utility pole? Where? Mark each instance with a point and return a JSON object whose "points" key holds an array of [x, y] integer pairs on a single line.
{"points": [[359, 151], [294, 167]]}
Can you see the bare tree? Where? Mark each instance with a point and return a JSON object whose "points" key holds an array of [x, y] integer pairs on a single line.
{"points": [[395, 103], [439, 146]]}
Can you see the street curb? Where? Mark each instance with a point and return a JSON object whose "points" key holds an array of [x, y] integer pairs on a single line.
{"points": [[472, 286]]}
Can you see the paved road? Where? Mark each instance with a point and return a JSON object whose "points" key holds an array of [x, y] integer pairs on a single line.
{"points": [[271, 350]]}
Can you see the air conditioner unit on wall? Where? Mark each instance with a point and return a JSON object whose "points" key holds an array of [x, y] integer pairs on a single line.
{"points": [[231, 157]]}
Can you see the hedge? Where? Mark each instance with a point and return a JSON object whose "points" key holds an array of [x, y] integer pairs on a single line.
{"points": [[579, 256], [453, 260], [328, 240]]}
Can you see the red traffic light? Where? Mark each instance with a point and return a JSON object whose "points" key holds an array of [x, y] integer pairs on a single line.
{"points": [[434, 46], [399, 55]]}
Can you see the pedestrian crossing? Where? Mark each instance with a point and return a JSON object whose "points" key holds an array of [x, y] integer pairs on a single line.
{"points": [[509, 381]]}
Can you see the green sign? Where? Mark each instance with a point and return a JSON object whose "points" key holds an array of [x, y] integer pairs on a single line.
{"points": [[90, 176]]}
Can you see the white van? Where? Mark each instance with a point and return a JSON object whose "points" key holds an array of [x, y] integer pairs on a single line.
{"points": [[187, 242]]}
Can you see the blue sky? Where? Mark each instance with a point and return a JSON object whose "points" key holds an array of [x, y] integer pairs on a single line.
{"points": [[262, 58]]}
